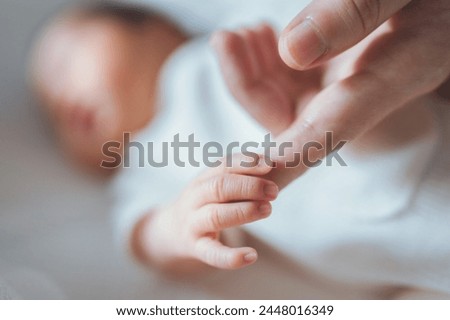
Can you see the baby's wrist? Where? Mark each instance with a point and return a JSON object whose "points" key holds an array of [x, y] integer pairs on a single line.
{"points": [[156, 245], [148, 239]]}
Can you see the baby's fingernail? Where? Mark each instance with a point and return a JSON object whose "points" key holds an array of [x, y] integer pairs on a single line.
{"points": [[271, 191], [265, 209], [250, 257], [303, 45]]}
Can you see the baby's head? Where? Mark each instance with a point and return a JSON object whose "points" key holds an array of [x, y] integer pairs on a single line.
{"points": [[95, 70]]}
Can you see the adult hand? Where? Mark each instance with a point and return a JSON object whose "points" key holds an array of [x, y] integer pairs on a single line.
{"points": [[353, 62], [407, 57]]}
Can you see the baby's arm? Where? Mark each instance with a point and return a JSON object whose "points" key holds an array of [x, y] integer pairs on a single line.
{"points": [[186, 234]]}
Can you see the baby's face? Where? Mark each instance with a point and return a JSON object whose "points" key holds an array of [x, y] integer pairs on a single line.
{"points": [[98, 79]]}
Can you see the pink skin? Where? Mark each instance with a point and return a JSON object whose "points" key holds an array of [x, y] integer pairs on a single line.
{"points": [[185, 236], [97, 79], [188, 231], [349, 95], [90, 76], [269, 90]]}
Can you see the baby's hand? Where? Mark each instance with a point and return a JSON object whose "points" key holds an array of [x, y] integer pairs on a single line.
{"points": [[257, 77], [187, 232]]}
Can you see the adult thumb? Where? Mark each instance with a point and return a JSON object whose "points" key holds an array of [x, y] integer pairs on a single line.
{"points": [[326, 28]]}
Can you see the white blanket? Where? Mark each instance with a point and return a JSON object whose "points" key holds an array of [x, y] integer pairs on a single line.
{"points": [[362, 224]]}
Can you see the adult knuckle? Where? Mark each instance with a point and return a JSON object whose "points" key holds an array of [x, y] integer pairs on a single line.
{"points": [[362, 15], [415, 72], [311, 126]]}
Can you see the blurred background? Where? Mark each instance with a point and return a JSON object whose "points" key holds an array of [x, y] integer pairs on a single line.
{"points": [[52, 232], [55, 234]]}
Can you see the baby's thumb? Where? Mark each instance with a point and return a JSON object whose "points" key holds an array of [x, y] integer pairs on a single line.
{"points": [[215, 254]]}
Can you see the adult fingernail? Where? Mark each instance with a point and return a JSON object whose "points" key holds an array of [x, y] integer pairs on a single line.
{"points": [[265, 209], [271, 191], [250, 257], [303, 45]]}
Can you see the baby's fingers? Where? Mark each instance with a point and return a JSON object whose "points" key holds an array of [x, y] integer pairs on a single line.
{"points": [[235, 60], [252, 164], [215, 254], [233, 187], [216, 217]]}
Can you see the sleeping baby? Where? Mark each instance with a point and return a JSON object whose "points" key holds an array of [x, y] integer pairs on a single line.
{"points": [[124, 86], [97, 72]]}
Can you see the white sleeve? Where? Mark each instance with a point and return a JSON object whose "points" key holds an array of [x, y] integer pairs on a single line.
{"points": [[140, 187], [133, 198]]}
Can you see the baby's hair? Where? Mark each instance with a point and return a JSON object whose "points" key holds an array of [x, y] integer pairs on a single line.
{"points": [[128, 14]]}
